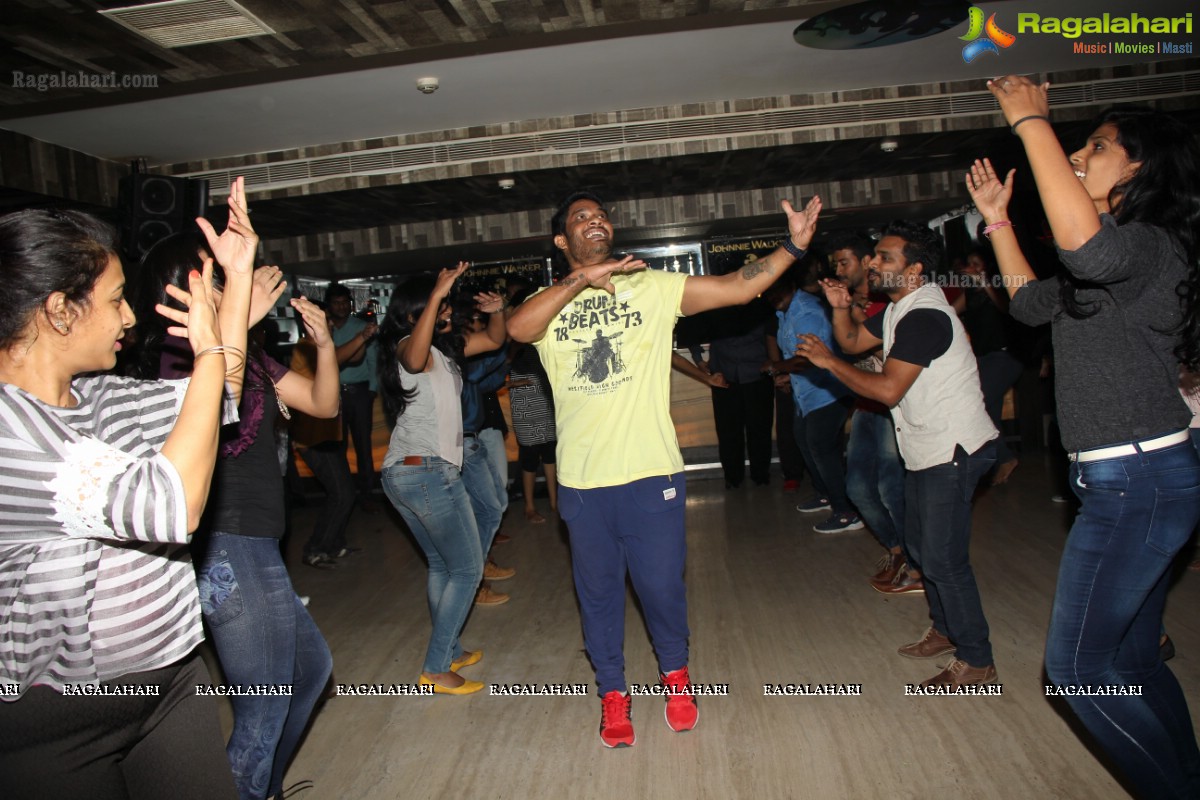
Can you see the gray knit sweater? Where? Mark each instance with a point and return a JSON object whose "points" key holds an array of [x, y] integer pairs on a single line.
{"points": [[1116, 378]]}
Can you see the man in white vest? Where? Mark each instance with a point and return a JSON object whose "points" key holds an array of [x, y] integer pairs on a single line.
{"points": [[931, 384]]}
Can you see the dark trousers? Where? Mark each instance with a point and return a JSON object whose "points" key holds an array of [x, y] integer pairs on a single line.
{"points": [[998, 371], [358, 405], [328, 463], [819, 436], [635, 529], [791, 461], [742, 415], [117, 748], [937, 537]]}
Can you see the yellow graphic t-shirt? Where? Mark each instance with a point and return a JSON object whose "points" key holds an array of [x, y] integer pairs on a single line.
{"points": [[609, 362]]}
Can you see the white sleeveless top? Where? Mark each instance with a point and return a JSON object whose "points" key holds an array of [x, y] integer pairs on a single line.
{"points": [[944, 406], [431, 424]]}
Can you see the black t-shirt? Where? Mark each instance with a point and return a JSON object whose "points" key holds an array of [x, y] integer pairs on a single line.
{"points": [[921, 336]]}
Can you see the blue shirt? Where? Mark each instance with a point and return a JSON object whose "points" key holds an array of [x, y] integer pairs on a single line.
{"points": [[485, 373], [812, 388], [364, 371]]}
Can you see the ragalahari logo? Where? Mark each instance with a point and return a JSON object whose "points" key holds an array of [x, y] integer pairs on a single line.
{"points": [[994, 37]]}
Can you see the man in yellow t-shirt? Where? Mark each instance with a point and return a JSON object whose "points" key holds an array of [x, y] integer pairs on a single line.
{"points": [[604, 336]]}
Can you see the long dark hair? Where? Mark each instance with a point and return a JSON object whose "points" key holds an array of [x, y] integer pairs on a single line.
{"points": [[1164, 191], [408, 302], [168, 262], [43, 252]]}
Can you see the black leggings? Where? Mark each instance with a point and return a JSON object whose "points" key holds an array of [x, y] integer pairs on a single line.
{"points": [[117, 748], [528, 455]]}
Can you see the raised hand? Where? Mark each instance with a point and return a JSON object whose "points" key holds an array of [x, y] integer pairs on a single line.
{"points": [[314, 321], [235, 248], [489, 302], [836, 293], [198, 323], [1020, 97], [990, 195], [802, 224], [266, 290], [445, 280]]}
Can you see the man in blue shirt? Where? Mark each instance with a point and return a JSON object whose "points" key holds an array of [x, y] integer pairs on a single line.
{"points": [[822, 402], [354, 340]]}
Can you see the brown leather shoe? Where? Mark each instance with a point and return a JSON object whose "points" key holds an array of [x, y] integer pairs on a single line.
{"points": [[905, 582], [494, 572], [486, 596], [959, 673], [887, 567], [931, 645]]}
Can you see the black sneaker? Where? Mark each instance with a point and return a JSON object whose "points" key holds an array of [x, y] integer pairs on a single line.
{"points": [[813, 506]]}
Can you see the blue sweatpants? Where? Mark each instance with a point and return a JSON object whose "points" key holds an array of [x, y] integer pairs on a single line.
{"points": [[635, 529]]}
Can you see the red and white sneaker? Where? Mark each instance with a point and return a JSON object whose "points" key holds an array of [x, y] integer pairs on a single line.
{"points": [[616, 727], [681, 711]]}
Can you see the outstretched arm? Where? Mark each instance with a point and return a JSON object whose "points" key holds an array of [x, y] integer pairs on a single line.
{"points": [[1072, 214], [494, 335], [888, 387], [706, 292]]}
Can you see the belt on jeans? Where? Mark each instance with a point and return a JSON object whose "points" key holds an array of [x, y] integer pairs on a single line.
{"points": [[415, 461], [1119, 450]]}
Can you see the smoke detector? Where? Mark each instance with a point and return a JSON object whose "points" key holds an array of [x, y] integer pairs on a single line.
{"points": [[889, 145], [427, 85], [507, 183]]}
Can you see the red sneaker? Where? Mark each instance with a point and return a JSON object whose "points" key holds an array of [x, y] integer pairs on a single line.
{"points": [[616, 727], [681, 711], [791, 486]]}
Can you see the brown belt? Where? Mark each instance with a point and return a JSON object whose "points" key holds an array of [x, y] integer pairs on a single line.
{"points": [[415, 461]]}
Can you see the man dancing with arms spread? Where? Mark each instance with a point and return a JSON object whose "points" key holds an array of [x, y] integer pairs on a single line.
{"points": [[604, 336]]}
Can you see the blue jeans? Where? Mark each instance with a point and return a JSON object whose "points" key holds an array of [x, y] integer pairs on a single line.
{"points": [[635, 529], [937, 536], [493, 440], [1136, 514], [479, 479], [998, 371], [434, 503], [819, 435], [875, 476], [263, 635]]}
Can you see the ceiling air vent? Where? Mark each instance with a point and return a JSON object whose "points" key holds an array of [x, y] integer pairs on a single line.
{"points": [[180, 23]]}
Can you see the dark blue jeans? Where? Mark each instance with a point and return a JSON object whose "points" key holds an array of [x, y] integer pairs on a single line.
{"points": [[263, 635], [1136, 514], [635, 529], [875, 476], [937, 536], [819, 436], [998, 371]]}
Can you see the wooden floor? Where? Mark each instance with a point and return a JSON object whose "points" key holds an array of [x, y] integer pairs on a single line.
{"points": [[770, 602]]}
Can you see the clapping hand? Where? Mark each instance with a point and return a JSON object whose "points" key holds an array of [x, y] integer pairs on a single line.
{"points": [[315, 323], [989, 194], [265, 292], [836, 293], [445, 281], [802, 224], [1020, 97]]}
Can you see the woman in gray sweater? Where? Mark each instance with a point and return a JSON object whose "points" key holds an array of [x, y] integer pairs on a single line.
{"points": [[1124, 210]]}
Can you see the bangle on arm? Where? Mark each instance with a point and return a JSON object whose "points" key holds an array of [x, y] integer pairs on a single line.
{"points": [[995, 226], [225, 349], [1013, 128]]}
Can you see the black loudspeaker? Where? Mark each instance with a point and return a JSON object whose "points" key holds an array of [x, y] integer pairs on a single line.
{"points": [[152, 207]]}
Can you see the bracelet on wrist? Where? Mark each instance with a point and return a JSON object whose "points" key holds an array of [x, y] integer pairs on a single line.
{"points": [[1013, 127], [995, 226], [796, 252], [225, 350]]}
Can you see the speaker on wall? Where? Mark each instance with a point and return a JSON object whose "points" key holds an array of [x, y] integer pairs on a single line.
{"points": [[152, 207]]}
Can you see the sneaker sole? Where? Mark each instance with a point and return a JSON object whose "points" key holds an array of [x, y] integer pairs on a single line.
{"points": [[938, 654], [858, 526], [804, 510]]}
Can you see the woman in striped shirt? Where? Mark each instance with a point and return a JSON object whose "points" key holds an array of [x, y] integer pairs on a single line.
{"points": [[102, 481]]}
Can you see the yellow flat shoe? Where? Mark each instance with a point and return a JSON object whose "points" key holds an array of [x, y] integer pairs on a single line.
{"points": [[468, 658], [468, 687]]}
